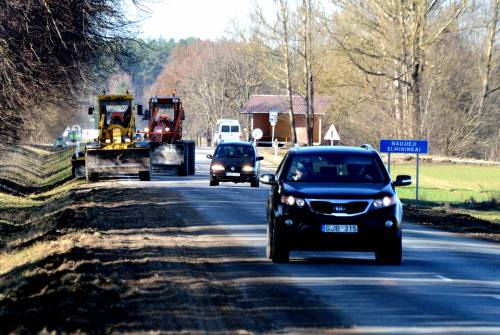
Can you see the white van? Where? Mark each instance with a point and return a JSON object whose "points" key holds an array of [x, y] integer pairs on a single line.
{"points": [[227, 130]]}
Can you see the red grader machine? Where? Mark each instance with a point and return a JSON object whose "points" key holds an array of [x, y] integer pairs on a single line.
{"points": [[116, 152], [164, 133]]}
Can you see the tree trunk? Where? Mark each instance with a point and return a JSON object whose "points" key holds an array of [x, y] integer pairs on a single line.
{"points": [[311, 87], [286, 57], [308, 74], [290, 99], [489, 56]]}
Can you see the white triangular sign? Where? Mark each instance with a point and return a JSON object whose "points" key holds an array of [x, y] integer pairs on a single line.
{"points": [[332, 134]]}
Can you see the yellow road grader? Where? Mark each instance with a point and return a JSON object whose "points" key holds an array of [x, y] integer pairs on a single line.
{"points": [[116, 151]]}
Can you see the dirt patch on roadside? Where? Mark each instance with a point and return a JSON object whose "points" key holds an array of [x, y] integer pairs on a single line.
{"points": [[456, 222], [137, 265]]}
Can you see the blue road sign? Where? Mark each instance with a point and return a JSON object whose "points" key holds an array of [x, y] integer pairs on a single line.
{"points": [[404, 146]]}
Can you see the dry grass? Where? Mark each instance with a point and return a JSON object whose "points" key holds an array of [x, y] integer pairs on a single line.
{"points": [[34, 253], [271, 161], [24, 219]]}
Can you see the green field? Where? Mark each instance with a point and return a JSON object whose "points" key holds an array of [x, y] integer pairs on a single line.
{"points": [[463, 189], [451, 183]]}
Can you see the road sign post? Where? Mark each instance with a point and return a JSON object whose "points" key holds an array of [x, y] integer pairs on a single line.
{"points": [[273, 119], [416, 188], [417, 147], [389, 162]]}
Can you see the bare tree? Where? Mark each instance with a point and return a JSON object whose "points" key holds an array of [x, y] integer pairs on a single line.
{"points": [[50, 52], [493, 28], [391, 39], [275, 38], [312, 46], [215, 80]]}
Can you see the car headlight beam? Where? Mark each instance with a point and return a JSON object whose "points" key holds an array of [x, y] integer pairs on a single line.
{"points": [[384, 202], [292, 201], [217, 167], [247, 168]]}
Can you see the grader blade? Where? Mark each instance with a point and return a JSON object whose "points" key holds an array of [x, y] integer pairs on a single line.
{"points": [[167, 154], [117, 161]]}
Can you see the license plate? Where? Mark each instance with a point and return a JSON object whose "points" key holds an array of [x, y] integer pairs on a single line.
{"points": [[339, 228], [232, 174]]}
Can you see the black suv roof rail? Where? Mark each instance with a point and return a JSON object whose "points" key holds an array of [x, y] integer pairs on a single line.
{"points": [[367, 147]]}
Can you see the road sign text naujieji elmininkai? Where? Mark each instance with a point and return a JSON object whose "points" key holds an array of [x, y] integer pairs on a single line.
{"points": [[404, 146]]}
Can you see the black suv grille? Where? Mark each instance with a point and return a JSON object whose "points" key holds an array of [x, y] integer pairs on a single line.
{"points": [[328, 207]]}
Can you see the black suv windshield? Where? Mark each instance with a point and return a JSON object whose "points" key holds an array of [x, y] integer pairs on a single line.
{"points": [[235, 151], [336, 168]]}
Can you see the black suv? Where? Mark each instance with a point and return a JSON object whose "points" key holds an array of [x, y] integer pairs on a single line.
{"points": [[236, 162], [334, 198]]}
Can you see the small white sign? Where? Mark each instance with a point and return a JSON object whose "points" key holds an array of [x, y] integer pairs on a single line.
{"points": [[332, 134], [257, 133], [273, 118]]}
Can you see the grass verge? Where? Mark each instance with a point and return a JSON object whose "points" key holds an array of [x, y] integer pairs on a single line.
{"points": [[25, 170], [25, 220], [35, 192]]}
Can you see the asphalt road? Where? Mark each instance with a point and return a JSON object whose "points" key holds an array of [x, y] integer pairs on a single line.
{"points": [[447, 284]]}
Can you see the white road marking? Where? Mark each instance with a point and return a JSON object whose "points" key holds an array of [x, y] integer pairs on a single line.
{"points": [[415, 330], [443, 278]]}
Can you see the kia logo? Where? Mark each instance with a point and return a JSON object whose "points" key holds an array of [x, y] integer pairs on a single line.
{"points": [[339, 208]]}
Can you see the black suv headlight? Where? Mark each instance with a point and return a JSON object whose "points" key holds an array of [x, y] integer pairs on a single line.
{"points": [[384, 202], [290, 200]]}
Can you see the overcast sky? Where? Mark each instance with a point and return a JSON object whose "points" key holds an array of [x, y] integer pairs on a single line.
{"points": [[205, 19]]}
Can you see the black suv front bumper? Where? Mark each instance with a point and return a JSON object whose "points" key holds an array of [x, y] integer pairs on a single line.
{"points": [[304, 231]]}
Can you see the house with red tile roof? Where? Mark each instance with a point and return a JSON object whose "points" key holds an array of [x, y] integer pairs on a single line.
{"points": [[259, 107]]}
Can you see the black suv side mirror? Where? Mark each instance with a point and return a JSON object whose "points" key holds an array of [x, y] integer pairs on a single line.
{"points": [[402, 180], [268, 178], [259, 158], [139, 110], [91, 110], [210, 156]]}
